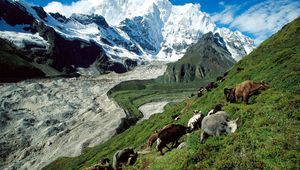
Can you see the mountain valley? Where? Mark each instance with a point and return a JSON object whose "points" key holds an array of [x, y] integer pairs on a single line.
{"points": [[76, 86]]}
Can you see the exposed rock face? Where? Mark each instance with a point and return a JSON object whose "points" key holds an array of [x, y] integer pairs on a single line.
{"points": [[59, 17], [14, 67], [14, 13], [58, 54], [206, 59], [66, 53], [90, 19], [144, 31], [40, 12]]}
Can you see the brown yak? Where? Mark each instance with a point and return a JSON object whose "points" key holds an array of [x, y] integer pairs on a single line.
{"points": [[211, 86], [154, 136], [248, 88], [170, 133]]}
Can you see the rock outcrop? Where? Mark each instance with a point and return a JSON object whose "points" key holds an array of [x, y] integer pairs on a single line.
{"points": [[37, 39], [205, 60]]}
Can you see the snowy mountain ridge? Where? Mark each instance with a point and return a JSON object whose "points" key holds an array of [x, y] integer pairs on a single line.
{"points": [[127, 32], [173, 27]]}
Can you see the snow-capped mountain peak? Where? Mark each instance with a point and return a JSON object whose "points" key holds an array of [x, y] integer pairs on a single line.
{"points": [[114, 11], [162, 30], [121, 29]]}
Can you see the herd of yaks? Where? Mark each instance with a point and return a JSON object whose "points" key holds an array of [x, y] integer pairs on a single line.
{"points": [[215, 123]]}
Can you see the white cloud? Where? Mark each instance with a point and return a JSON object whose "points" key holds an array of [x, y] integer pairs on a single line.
{"points": [[221, 3], [226, 16], [82, 6], [262, 19]]}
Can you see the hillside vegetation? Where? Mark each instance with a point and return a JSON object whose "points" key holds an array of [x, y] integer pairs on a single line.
{"points": [[132, 94], [268, 134]]}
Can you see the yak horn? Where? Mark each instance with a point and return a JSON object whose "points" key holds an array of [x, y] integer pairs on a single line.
{"points": [[236, 119]]}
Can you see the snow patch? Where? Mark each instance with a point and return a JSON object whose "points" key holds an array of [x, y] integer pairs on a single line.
{"points": [[21, 40]]}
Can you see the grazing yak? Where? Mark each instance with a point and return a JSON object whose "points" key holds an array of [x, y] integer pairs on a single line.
{"points": [[170, 133], [217, 108], [200, 91], [152, 139], [244, 90], [154, 136], [195, 121], [123, 157], [220, 79], [210, 86], [217, 124]]}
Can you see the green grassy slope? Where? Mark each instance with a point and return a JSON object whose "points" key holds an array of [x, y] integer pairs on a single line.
{"points": [[132, 94], [268, 135]]}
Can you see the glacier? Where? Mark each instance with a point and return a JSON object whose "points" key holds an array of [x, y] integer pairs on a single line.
{"points": [[44, 119]]}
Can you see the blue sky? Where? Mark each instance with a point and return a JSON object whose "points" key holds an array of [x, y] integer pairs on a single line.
{"points": [[208, 6], [257, 19], [45, 2]]}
